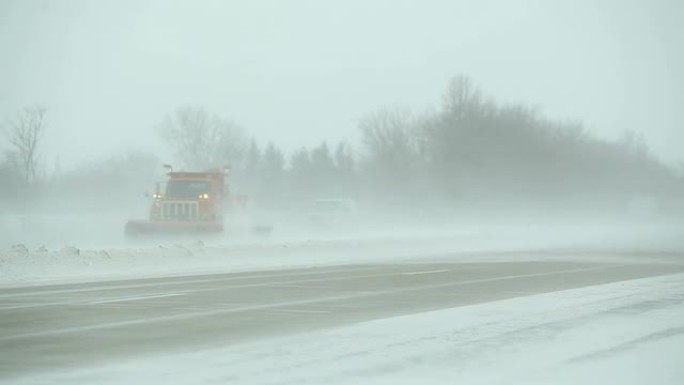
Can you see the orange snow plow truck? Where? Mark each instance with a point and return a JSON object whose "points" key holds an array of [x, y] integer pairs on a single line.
{"points": [[191, 203]]}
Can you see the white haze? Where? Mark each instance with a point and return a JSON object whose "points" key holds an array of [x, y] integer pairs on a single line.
{"points": [[496, 215], [299, 72]]}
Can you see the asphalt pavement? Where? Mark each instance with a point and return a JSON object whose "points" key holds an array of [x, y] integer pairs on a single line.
{"points": [[55, 327]]}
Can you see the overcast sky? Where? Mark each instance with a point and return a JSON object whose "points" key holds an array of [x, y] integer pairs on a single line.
{"points": [[299, 72]]}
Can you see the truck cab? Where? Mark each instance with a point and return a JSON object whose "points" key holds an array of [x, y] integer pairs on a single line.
{"points": [[191, 202], [190, 196]]}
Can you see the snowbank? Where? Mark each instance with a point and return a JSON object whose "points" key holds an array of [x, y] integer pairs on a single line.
{"points": [[20, 264]]}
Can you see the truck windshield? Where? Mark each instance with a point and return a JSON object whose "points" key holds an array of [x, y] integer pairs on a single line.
{"points": [[186, 189]]}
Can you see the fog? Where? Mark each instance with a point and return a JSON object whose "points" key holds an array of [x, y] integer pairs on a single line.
{"points": [[440, 112], [300, 72], [358, 191]]}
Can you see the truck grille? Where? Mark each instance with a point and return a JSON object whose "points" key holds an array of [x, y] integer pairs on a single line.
{"points": [[186, 211]]}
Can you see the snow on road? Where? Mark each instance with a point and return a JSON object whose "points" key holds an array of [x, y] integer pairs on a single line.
{"points": [[628, 332]]}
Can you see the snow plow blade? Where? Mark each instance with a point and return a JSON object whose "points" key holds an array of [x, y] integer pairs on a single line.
{"points": [[143, 229]]}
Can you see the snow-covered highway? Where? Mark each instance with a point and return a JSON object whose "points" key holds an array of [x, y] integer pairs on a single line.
{"points": [[76, 331]]}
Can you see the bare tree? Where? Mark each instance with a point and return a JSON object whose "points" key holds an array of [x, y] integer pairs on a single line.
{"points": [[200, 140], [388, 132], [24, 133], [461, 97], [392, 148]]}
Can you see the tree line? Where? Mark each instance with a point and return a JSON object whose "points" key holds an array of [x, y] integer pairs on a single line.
{"points": [[468, 150], [473, 149]]}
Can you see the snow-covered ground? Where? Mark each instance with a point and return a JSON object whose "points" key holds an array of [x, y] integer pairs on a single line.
{"points": [[625, 333], [628, 332], [33, 263]]}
